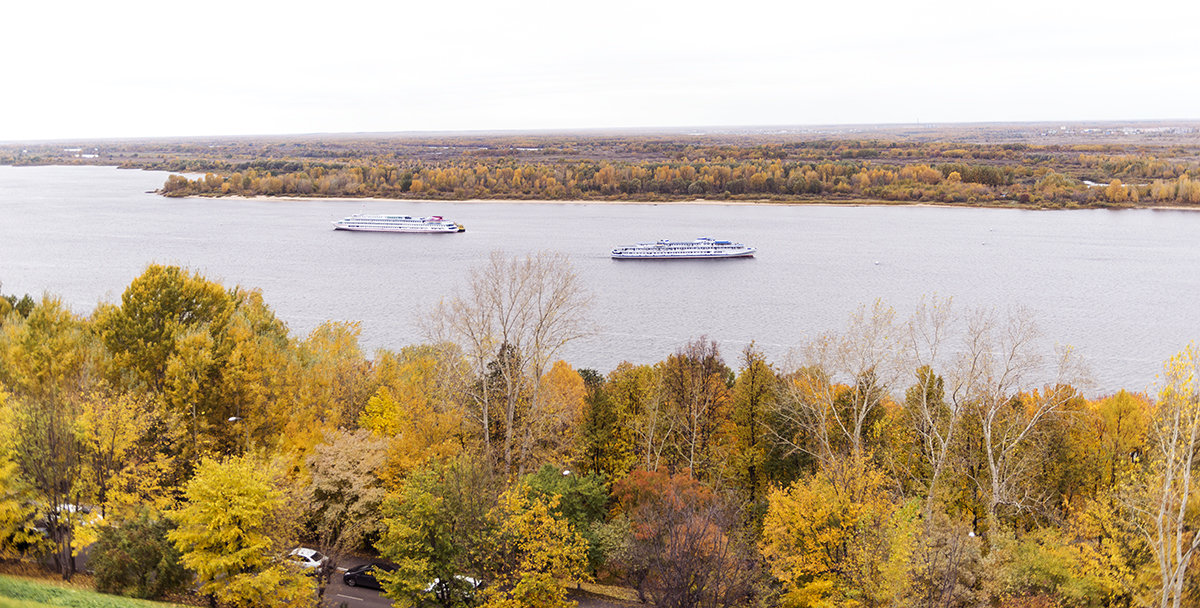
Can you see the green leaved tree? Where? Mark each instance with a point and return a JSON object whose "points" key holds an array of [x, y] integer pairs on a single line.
{"points": [[135, 558], [436, 529]]}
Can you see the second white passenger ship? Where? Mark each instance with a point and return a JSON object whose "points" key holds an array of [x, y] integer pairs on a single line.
{"points": [[702, 247], [397, 223]]}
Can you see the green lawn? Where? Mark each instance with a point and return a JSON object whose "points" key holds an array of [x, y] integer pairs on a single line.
{"points": [[25, 593]]}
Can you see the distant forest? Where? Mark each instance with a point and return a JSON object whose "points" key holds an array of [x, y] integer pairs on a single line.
{"points": [[1050, 168]]}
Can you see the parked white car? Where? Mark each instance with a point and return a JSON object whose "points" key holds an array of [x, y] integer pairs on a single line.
{"points": [[310, 561], [464, 587]]}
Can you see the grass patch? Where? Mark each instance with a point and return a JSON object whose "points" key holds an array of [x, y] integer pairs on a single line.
{"points": [[11, 603], [609, 592], [24, 593]]}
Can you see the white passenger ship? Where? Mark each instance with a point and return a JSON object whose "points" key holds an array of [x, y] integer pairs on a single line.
{"points": [[702, 247], [397, 223]]}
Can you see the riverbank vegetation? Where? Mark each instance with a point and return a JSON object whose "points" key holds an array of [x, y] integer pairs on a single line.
{"points": [[1034, 166], [957, 182], [938, 460]]}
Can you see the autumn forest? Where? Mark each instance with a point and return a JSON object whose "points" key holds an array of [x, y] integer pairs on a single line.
{"points": [[1026, 166], [191, 441]]}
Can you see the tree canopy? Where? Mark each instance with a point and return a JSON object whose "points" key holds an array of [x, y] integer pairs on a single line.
{"points": [[934, 460]]}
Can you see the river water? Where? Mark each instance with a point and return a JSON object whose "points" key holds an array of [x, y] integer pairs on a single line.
{"points": [[1121, 287]]}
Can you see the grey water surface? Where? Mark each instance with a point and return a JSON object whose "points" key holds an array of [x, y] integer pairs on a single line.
{"points": [[1121, 287]]}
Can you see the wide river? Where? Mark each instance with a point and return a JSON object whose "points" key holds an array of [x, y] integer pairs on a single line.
{"points": [[1121, 287]]}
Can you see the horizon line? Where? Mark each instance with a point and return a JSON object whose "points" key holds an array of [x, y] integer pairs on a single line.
{"points": [[680, 129]]}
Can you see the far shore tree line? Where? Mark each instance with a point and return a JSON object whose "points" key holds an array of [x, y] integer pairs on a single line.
{"points": [[663, 167], [938, 460], [769, 179]]}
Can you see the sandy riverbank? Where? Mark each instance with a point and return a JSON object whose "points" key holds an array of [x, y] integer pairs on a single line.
{"points": [[698, 201]]}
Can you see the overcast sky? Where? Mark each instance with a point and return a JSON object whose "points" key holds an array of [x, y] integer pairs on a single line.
{"points": [[159, 68]]}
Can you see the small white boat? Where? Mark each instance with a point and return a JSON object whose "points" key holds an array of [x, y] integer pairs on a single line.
{"points": [[700, 248], [397, 223]]}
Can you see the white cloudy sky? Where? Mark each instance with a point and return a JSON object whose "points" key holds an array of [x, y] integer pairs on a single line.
{"points": [[159, 68]]}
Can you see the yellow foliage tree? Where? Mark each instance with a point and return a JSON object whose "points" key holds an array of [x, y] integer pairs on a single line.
{"points": [[1187, 190], [551, 436], [414, 411], [696, 396], [753, 397], [48, 360], [233, 532], [1106, 436], [331, 386], [1113, 552], [838, 539], [535, 552], [258, 376], [17, 513], [1116, 192], [121, 473], [1164, 507], [637, 397], [160, 306], [415, 433], [1045, 564]]}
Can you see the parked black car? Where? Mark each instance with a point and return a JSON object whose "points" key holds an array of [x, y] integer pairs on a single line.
{"points": [[364, 575]]}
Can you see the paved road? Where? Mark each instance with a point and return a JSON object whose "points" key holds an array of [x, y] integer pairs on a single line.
{"points": [[337, 593], [590, 601]]}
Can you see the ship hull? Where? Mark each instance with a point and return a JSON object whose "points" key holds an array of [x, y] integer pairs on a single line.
{"points": [[651, 256], [402, 230], [435, 224], [703, 248]]}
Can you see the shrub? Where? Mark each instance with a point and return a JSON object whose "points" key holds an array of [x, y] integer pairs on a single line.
{"points": [[135, 558]]}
